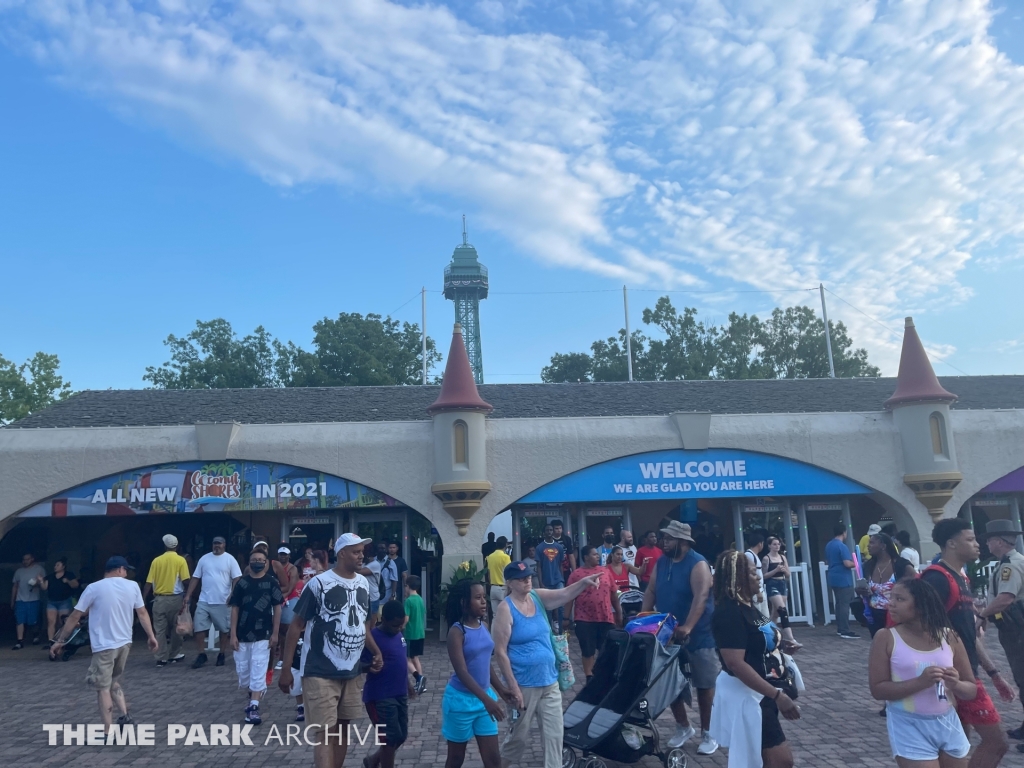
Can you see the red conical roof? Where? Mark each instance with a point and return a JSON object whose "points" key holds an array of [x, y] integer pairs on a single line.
{"points": [[916, 381], [458, 389]]}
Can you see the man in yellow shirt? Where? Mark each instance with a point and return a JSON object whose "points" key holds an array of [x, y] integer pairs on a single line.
{"points": [[873, 530], [168, 577], [496, 562]]}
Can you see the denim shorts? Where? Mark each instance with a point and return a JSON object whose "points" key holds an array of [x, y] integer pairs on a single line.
{"points": [[922, 737], [774, 587], [464, 716], [59, 605]]}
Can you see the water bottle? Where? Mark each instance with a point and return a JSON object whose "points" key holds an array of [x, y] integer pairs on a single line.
{"points": [[515, 714]]}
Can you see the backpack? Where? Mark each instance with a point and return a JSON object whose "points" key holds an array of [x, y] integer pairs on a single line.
{"points": [[954, 586]]}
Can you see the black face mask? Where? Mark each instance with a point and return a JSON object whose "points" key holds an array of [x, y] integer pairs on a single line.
{"points": [[609, 539], [257, 567]]}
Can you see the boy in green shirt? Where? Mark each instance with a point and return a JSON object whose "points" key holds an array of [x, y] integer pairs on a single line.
{"points": [[415, 630]]}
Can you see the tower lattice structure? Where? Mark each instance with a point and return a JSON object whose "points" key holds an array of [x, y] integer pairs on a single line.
{"points": [[465, 283]]}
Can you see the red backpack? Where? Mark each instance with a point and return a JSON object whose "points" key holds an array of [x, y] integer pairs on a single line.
{"points": [[954, 585]]}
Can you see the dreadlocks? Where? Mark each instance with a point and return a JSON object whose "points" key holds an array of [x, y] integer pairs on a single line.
{"points": [[458, 601], [732, 578], [930, 610]]}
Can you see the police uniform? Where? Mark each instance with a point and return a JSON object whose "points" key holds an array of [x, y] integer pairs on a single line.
{"points": [[1009, 577]]}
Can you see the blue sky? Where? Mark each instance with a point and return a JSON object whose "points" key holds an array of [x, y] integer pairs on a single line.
{"points": [[272, 163]]}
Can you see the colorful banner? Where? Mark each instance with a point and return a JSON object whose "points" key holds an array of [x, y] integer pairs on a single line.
{"points": [[714, 473], [195, 486]]}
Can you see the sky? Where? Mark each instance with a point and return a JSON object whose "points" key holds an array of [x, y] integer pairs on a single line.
{"points": [[273, 163]]}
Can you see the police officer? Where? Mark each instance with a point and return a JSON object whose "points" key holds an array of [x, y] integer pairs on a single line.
{"points": [[1006, 599]]}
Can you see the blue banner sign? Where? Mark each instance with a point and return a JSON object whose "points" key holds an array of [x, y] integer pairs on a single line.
{"points": [[714, 473], [194, 486]]}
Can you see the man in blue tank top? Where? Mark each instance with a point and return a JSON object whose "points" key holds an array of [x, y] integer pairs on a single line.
{"points": [[681, 585]]}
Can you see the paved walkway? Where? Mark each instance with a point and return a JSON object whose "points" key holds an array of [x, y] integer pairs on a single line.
{"points": [[840, 727]]}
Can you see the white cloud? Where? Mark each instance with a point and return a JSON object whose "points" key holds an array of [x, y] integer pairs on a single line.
{"points": [[712, 142]]}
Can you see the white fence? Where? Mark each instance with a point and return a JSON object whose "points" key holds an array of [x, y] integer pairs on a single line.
{"points": [[801, 596]]}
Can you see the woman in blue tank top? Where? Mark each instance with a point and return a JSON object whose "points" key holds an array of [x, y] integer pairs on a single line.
{"points": [[522, 645], [470, 706]]}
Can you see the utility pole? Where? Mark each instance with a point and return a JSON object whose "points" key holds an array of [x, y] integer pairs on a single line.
{"points": [[629, 343], [828, 336], [423, 294]]}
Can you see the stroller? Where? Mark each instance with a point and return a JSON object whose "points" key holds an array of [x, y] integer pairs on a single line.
{"points": [[79, 638], [635, 679]]}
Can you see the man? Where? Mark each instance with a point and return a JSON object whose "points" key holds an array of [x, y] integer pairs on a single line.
{"points": [[681, 585], [550, 555], [109, 603], [495, 564], [629, 556], [595, 611], [488, 546], [371, 569], [569, 562], [1006, 601], [287, 577], [607, 544], [255, 621], [388, 572], [332, 615], [25, 592], [840, 578], [216, 574], [755, 545], [873, 530], [401, 568], [168, 575], [959, 546], [907, 552], [648, 554]]}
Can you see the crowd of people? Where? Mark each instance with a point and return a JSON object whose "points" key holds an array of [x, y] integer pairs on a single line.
{"points": [[347, 636]]}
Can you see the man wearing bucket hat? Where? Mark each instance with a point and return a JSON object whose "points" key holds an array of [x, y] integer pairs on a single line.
{"points": [[167, 580], [1006, 602], [681, 585]]}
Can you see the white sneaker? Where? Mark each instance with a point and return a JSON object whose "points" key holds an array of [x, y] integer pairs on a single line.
{"points": [[708, 746], [279, 665], [683, 735]]}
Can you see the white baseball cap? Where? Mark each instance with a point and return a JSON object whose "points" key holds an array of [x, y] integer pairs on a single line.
{"points": [[874, 529], [348, 540], [283, 551]]}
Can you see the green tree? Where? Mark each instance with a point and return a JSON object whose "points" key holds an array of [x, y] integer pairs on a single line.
{"points": [[789, 344], [31, 386], [213, 357]]}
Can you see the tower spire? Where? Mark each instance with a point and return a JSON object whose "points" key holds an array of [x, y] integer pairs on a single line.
{"points": [[465, 237], [465, 284]]}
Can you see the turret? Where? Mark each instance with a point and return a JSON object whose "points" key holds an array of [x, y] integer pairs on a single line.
{"points": [[460, 443], [920, 410]]}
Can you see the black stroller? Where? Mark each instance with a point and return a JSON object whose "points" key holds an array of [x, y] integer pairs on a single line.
{"points": [[79, 639], [635, 679]]}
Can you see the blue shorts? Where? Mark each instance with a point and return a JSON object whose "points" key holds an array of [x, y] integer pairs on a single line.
{"points": [[26, 611], [288, 610], [59, 605], [374, 607], [923, 737], [464, 716]]}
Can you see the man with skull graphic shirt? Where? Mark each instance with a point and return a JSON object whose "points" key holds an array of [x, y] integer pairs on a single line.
{"points": [[334, 612]]}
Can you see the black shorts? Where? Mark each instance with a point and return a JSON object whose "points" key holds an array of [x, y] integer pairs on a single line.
{"points": [[393, 714], [771, 728], [591, 635], [414, 648]]}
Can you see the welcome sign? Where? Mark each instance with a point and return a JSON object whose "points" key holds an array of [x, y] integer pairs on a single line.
{"points": [[192, 486], [714, 473]]}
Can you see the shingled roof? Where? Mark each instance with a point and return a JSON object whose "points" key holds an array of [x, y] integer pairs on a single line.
{"points": [[157, 407]]}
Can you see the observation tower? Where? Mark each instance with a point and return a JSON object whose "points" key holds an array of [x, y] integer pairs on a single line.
{"points": [[465, 283]]}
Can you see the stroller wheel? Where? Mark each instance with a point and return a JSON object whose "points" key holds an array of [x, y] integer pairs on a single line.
{"points": [[675, 758], [66, 655], [568, 757], [594, 762]]}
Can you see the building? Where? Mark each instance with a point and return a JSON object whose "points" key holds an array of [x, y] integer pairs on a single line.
{"points": [[429, 467]]}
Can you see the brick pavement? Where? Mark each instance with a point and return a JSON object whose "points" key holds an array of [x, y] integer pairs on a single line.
{"points": [[841, 726]]}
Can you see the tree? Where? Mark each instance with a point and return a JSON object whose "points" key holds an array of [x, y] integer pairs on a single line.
{"points": [[789, 344], [350, 351], [31, 386]]}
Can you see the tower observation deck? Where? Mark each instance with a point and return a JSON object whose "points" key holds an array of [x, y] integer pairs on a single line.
{"points": [[465, 283]]}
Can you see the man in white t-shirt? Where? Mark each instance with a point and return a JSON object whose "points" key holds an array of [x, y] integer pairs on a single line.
{"points": [[755, 545], [217, 571], [109, 603], [371, 569], [629, 556]]}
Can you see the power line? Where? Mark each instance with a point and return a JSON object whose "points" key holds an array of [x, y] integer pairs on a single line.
{"points": [[414, 296]]}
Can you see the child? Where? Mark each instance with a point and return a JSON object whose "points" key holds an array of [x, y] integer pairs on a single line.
{"points": [[916, 666], [386, 693], [415, 631], [470, 706], [255, 620]]}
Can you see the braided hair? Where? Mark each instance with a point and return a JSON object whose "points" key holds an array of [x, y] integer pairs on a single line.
{"points": [[458, 601], [732, 578], [931, 611]]}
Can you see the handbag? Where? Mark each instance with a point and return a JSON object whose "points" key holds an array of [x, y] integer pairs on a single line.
{"points": [[560, 646]]}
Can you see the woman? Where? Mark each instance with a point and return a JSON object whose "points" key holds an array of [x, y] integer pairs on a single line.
{"points": [[470, 706], [594, 611], [754, 686], [883, 570], [775, 571], [630, 598], [526, 658], [60, 588], [915, 667]]}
